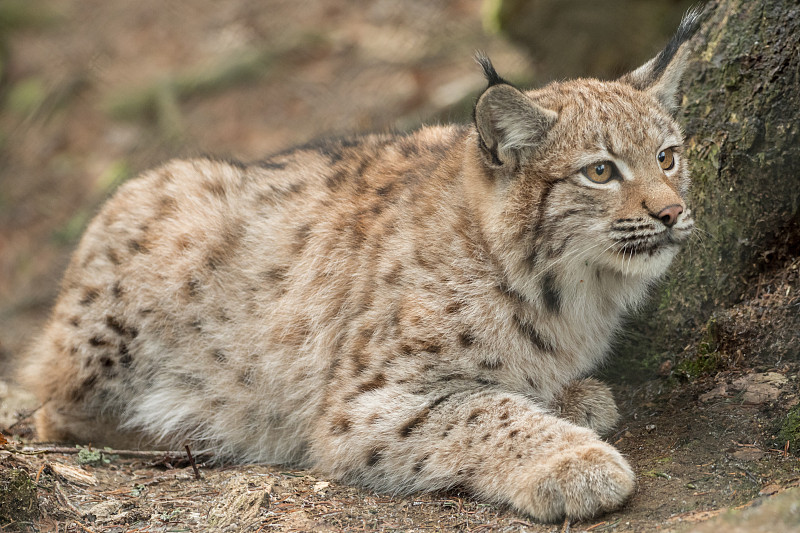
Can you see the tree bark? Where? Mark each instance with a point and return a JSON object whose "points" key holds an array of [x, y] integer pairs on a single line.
{"points": [[741, 114]]}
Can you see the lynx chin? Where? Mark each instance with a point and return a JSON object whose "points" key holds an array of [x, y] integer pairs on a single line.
{"points": [[403, 312]]}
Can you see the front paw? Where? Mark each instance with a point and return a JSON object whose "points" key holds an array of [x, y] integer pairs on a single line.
{"points": [[587, 403], [578, 483]]}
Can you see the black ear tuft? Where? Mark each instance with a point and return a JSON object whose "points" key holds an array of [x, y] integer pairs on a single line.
{"points": [[488, 70], [661, 76], [689, 24]]}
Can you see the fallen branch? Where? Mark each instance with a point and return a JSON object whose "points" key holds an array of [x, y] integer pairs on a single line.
{"points": [[138, 454]]}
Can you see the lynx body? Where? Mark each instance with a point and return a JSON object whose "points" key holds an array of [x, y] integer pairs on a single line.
{"points": [[404, 312]]}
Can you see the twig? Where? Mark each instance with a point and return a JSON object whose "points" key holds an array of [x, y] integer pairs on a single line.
{"points": [[65, 500], [39, 473], [565, 527], [191, 460], [83, 527], [140, 454], [749, 475], [617, 434]]}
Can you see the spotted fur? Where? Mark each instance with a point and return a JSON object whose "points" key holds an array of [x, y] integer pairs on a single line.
{"points": [[404, 312]]}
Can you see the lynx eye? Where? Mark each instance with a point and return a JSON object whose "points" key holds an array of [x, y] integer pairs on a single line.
{"points": [[666, 158], [600, 172]]}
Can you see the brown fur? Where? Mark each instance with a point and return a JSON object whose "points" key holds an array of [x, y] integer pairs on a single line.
{"points": [[406, 312]]}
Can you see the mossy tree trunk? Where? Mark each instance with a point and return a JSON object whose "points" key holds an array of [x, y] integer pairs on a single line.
{"points": [[741, 114]]}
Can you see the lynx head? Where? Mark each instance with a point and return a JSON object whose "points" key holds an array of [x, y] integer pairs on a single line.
{"points": [[588, 172]]}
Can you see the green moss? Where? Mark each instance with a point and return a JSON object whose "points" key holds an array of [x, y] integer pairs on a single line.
{"points": [[90, 456], [18, 501], [706, 359], [790, 430]]}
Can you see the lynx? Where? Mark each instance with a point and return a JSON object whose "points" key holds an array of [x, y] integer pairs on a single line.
{"points": [[406, 312]]}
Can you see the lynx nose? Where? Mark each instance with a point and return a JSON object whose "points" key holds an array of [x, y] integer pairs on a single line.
{"points": [[669, 215]]}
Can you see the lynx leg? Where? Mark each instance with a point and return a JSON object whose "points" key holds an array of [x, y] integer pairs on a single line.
{"points": [[60, 424], [73, 408], [588, 403], [501, 446]]}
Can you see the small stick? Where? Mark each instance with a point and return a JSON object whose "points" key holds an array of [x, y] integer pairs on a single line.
{"points": [[565, 527], [749, 475], [191, 460], [140, 454], [39, 473]]}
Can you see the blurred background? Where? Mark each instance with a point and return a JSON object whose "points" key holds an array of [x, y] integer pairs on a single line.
{"points": [[94, 91]]}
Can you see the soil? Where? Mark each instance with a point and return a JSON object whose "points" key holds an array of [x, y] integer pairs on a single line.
{"points": [[94, 91]]}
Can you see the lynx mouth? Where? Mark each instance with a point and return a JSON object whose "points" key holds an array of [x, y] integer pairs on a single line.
{"points": [[650, 243]]}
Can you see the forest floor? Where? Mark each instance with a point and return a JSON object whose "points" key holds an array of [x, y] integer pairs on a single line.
{"points": [[94, 91]]}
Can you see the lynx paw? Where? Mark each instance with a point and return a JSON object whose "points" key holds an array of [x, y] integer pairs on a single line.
{"points": [[578, 483], [587, 403]]}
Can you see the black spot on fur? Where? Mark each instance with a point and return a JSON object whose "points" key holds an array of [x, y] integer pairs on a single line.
{"points": [[409, 426], [219, 356], [420, 464], [89, 296], [441, 399], [125, 358], [551, 293], [83, 389], [191, 381], [408, 148], [375, 383], [217, 188], [192, 287], [510, 293], [532, 258], [117, 327], [98, 341], [474, 415], [137, 247], [272, 165], [453, 307], [301, 236], [488, 364], [225, 247], [336, 179], [112, 256], [533, 335], [341, 425], [375, 455], [116, 290], [75, 322], [466, 339], [247, 378], [385, 190]]}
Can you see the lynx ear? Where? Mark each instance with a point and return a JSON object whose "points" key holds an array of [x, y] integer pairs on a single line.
{"points": [[509, 123], [661, 76]]}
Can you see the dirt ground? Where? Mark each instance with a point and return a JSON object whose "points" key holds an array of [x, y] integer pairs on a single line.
{"points": [[94, 91]]}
